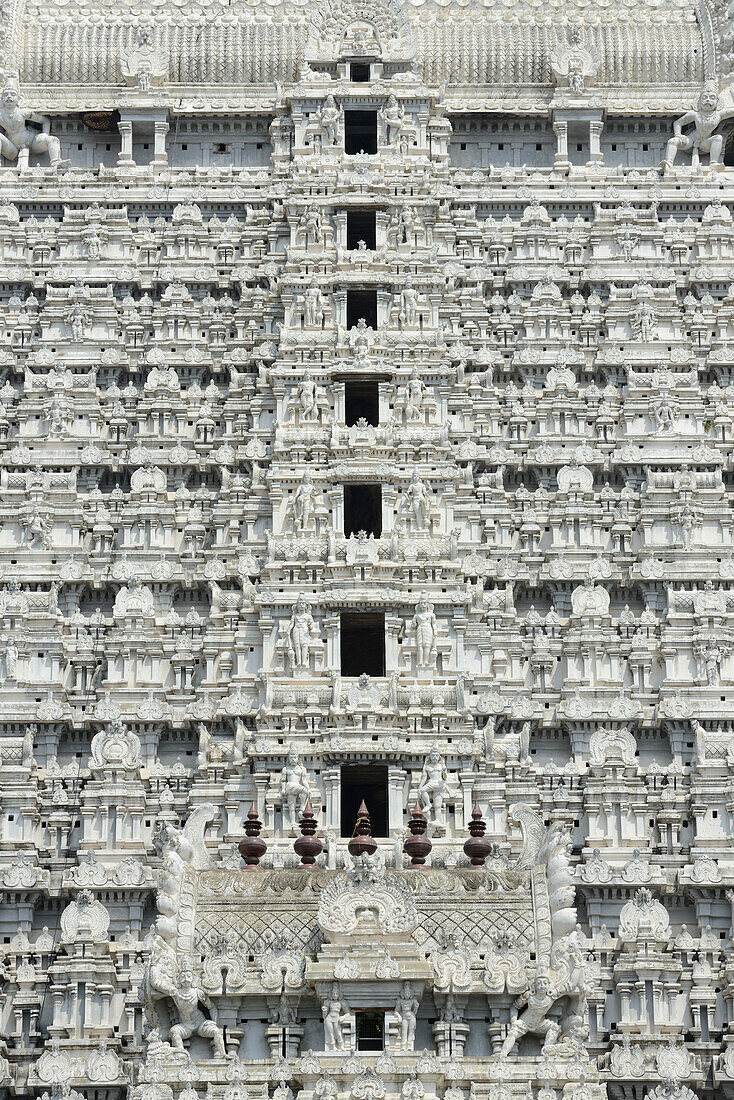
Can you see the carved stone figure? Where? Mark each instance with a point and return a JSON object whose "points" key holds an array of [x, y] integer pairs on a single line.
{"points": [[19, 139], [406, 1012], [326, 123], [313, 305], [393, 118], [705, 119], [334, 1020], [144, 66], [307, 509], [301, 632], [424, 628], [309, 401], [186, 996], [433, 787], [537, 1002], [295, 789], [415, 505]]}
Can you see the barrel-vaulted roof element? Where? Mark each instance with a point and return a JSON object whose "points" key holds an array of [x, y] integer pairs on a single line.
{"points": [[652, 46]]}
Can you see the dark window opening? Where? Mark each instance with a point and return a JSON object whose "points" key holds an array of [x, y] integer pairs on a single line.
{"points": [[360, 132], [362, 305], [370, 1027], [363, 509], [362, 401], [362, 643], [729, 148], [361, 227], [221, 147], [359, 72], [366, 782]]}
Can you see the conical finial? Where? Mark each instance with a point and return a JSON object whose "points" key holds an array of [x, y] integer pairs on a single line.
{"points": [[307, 845], [477, 847], [252, 849], [417, 845], [362, 842]]}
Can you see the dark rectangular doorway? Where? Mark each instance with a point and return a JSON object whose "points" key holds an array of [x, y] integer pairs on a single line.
{"points": [[362, 305], [362, 643], [360, 132], [361, 226], [362, 401], [363, 509], [366, 782]]}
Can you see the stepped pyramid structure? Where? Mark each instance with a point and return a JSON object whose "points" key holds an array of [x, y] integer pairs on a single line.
{"points": [[366, 562]]}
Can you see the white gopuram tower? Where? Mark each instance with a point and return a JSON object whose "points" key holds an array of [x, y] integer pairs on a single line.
{"points": [[366, 557]]}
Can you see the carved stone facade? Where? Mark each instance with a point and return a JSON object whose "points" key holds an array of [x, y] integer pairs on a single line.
{"points": [[366, 433]]}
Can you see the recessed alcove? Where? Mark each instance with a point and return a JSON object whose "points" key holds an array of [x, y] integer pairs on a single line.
{"points": [[362, 306], [362, 640], [363, 509], [360, 132], [364, 783], [362, 401], [361, 226]]}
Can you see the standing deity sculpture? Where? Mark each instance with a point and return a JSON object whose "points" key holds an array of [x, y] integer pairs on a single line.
{"points": [[408, 303], [301, 632], [309, 402], [295, 789], [406, 1014], [20, 140], [27, 757], [313, 306], [644, 321], [334, 1020], [306, 510], [393, 119], [10, 657], [424, 628], [706, 118], [303, 503], [329, 117], [205, 745], [411, 397], [415, 505], [433, 787]]}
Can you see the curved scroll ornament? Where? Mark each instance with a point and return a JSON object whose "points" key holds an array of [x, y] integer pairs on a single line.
{"points": [[84, 919], [368, 1086], [452, 967], [612, 746], [671, 1089], [229, 967], [643, 918], [548, 847], [627, 1060], [281, 968], [385, 906], [504, 965], [103, 1065], [378, 27], [115, 747]]}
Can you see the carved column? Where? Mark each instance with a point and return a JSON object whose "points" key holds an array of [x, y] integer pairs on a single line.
{"points": [[560, 160], [595, 153], [332, 797], [125, 155], [160, 154]]}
